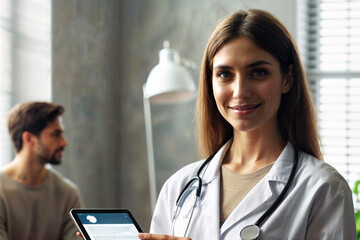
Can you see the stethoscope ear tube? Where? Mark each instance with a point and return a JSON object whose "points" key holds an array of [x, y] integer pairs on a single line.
{"points": [[195, 178], [185, 193], [180, 200]]}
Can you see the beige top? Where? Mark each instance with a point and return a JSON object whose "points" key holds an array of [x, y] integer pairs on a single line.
{"points": [[234, 188]]}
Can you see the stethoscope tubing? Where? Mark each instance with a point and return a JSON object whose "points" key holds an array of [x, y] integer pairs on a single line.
{"points": [[197, 177], [281, 197]]}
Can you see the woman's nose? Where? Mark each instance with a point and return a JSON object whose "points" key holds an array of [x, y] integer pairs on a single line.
{"points": [[241, 88]]}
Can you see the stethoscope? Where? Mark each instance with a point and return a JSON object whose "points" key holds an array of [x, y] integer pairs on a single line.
{"points": [[248, 232]]}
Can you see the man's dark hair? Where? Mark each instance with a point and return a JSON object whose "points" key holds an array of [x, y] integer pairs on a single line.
{"points": [[31, 117]]}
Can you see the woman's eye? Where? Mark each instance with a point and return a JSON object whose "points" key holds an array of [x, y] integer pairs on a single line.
{"points": [[224, 74], [259, 73]]}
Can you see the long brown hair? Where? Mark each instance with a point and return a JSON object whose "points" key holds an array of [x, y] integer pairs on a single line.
{"points": [[296, 115]]}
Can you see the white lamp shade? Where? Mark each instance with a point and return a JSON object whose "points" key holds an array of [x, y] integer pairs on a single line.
{"points": [[169, 81]]}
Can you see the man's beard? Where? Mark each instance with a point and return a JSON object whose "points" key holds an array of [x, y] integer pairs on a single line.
{"points": [[45, 157], [53, 160]]}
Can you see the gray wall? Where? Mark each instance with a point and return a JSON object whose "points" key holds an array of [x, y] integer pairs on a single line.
{"points": [[103, 51]]}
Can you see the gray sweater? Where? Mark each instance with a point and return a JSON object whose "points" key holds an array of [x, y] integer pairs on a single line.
{"points": [[37, 212]]}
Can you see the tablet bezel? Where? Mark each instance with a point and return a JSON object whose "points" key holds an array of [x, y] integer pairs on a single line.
{"points": [[79, 224]]}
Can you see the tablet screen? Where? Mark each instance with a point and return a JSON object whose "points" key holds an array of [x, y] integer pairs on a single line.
{"points": [[106, 224]]}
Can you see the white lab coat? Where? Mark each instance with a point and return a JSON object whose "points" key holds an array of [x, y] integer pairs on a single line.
{"points": [[317, 206]]}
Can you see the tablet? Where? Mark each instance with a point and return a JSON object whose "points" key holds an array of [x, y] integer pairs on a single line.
{"points": [[96, 224]]}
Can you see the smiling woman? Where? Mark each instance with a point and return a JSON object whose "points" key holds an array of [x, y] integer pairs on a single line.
{"points": [[257, 123], [247, 86]]}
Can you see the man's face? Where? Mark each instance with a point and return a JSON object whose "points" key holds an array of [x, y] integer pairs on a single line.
{"points": [[51, 143]]}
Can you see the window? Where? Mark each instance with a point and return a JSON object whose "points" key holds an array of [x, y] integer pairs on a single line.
{"points": [[332, 60], [5, 78], [25, 59]]}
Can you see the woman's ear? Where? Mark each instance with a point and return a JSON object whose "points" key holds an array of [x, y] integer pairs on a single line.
{"points": [[288, 80]]}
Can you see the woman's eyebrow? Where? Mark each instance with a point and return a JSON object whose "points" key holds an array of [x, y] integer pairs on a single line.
{"points": [[250, 65], [225, 67], [257, 63]]}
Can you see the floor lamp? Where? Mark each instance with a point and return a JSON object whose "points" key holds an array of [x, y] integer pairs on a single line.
{"points": [[168, 82]]}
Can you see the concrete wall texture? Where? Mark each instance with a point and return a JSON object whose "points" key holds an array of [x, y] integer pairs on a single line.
{"points": [[102, 53]]}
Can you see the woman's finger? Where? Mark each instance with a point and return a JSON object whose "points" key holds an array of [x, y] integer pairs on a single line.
{"points": [[79, 235], [149, 236]]}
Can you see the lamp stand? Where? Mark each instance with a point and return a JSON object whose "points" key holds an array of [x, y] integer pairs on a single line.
{"points": [[150, 151]]}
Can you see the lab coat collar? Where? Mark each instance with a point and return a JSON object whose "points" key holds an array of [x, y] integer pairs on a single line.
{"points": [[213, 170], [280, 172], [268, 188]]}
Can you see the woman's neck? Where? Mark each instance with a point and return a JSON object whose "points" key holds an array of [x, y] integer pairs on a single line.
{"points": [[251, 151]]}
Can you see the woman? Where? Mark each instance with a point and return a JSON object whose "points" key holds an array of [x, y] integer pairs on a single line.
{"points": [[255, 113]]}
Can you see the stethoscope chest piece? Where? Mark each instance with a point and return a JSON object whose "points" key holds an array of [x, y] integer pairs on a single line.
{"points": [[250, 232]]}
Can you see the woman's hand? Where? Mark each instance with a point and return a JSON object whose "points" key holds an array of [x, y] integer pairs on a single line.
{"points": [[149, 236]]}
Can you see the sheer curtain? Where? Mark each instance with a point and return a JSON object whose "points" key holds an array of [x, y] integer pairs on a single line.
{"points": [[5, 77], [332, 57], [25, 59]]}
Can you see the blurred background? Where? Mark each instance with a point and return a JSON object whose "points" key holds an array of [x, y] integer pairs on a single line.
{"points": [[94, 56]]}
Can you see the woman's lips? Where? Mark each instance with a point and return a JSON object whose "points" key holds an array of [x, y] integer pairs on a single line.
{"points": [[245, 109]]}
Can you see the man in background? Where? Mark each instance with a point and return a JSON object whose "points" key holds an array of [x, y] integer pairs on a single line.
{"points": [[35, 200]]}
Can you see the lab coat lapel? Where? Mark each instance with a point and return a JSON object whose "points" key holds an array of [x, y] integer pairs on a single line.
{"points": [[260, 194], [210, 198], [208, 225], [267, 190]]}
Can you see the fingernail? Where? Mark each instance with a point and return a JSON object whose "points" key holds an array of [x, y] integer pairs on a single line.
{"points": [[141, 235]]}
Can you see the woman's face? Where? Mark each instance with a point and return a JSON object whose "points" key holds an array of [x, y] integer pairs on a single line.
{"points": [[247, 85]]}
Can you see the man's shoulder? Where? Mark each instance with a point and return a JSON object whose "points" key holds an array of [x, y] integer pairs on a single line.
{"points": [[5, 180], [57, 178], [2, 173]]}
